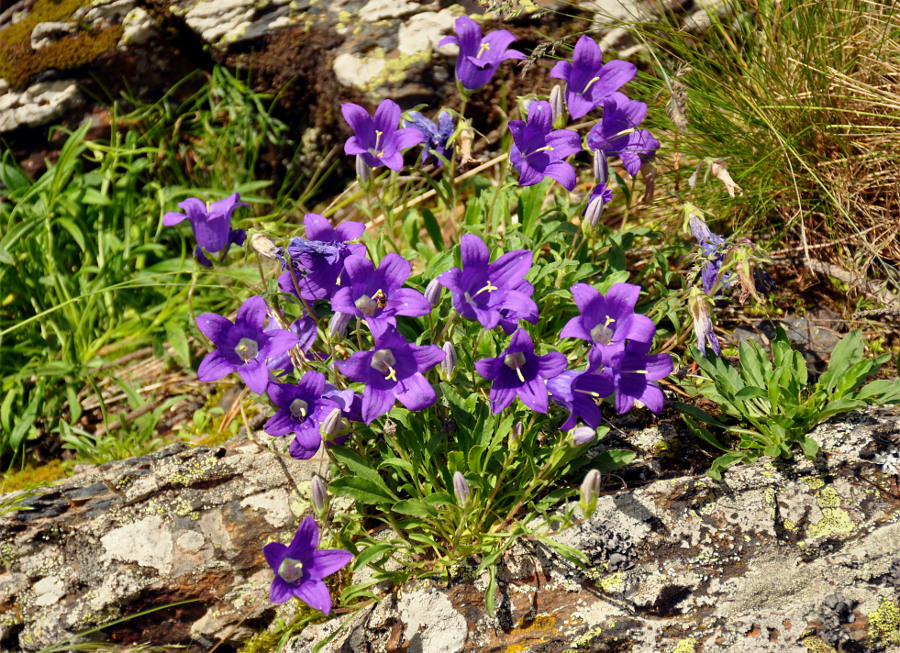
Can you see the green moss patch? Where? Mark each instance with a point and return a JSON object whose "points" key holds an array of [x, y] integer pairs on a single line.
{"points": [[19, 62]]}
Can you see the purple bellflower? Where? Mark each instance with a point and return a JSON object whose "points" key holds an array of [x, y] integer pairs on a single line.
{"points": [[712, 249], [321, 254], [479, 57], [579, 393], [436, 135], [211, 224], [305, 329], [633, 372], [378, 295], [607, 322], [243, 346], [301, 410], [299, 568], [539, 150], [377, 140], [481, 289], [617, 134], [588, 81], [518, 371], [393, 370]]}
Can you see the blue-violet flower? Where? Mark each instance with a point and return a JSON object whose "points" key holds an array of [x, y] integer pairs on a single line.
{"points": [[588, 81], [436, 135], [377, 140], [211, 224], [633, 372], [539, 150], [301, 410], [617, 135], [479, 57]]}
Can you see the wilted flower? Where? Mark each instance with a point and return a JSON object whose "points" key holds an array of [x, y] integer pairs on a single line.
{"points": [[633, 372], [377, 140], [243, 346], [481, 289], [519, 371], [211, 224], [378, 295], [607, 322], [712, 248], [319, 494], [617, 134], [580, 393], [300, 568], [321, 254], [436, 135], [263, 245], [539, 150], [393, 370], [301, 410], [461, 488], [588, 81], [479, 57], [698, 303]]}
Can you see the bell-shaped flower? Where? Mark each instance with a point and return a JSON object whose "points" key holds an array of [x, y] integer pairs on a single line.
{"points": [[393, 370], [301, 410], [211, 224], [305, 329], [617, 134], [299, 568], [607, 321], [539, 150], [378, 141], [436, 135], [588, 80], [633, 372], [580, 393], [243, 345], [321, 255], [518, 371], [481, 289], [378, 295], [479, 57]]}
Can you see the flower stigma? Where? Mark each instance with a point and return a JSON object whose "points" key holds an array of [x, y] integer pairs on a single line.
{"points": [[247, 349], [588, 85], [516, 361], [291, 570], [383, 360], [481, 50], [298, 408], [602, 334]]}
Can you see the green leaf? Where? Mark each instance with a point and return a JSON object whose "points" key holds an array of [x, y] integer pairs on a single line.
{"points": [[704, 434], [697, 413], [361, 490], [396, 463], [848, 352], [610, 461], [74, 230], [433, 229], [723, 462], [177, 337], [810, 447], [491, 590], [371, 553], [415, 508], [6, 257], [359, 466], [529, 206]]}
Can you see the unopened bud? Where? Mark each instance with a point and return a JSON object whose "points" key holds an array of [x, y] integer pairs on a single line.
{"points": [[525, 103], [433, 292], [593, 213], [337, 326], [319, 493], [558, 106], [518, 430], [334, 425], [583, 435], [363, 172], [448, 365], [590, 488], [601, 167], [461, 489]]}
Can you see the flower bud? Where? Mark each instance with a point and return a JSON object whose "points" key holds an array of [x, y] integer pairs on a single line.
{"points": [[363, 172], [337, 326], [461, 489], [433, 292], [601, 168], [583, 435], [334, 425], [448, 365], [319, 493], [590, 488], [518, 430], [558, 107], [593, 213]]}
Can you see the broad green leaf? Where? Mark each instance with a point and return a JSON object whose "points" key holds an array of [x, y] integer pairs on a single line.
{"points": [[361, 490], [371, 553], [433, 229], [703, 433], [610, 461], [848, 352], [396, 463], [415, 508]]}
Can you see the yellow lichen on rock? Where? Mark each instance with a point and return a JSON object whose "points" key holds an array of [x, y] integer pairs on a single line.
{"points": [[884, 623]]}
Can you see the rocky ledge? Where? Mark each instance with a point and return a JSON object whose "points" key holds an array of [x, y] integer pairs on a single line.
{"points": [[778, 557]]}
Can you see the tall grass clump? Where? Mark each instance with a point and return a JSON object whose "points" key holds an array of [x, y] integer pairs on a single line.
{"points": [[801, 100], [89, 275]]}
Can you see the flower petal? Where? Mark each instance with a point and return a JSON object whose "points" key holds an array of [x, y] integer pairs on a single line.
{"points": [[501, 398], [563, 173], [315, 594], [256, 375], [427, 356], [386, 120], [171, 219], [376, 403], [280, 591], [511, 268], [534, 395], [416, 393], [275, 553], [561, 70], [280, 424], [215, 327], [214, 367], [252, 314], [328, 561], [360, 122], [306, 539]]}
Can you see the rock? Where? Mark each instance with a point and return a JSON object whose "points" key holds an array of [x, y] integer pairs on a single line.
{"points": [[183, 524], [38, 104], [777, 557], [44, 34]]}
